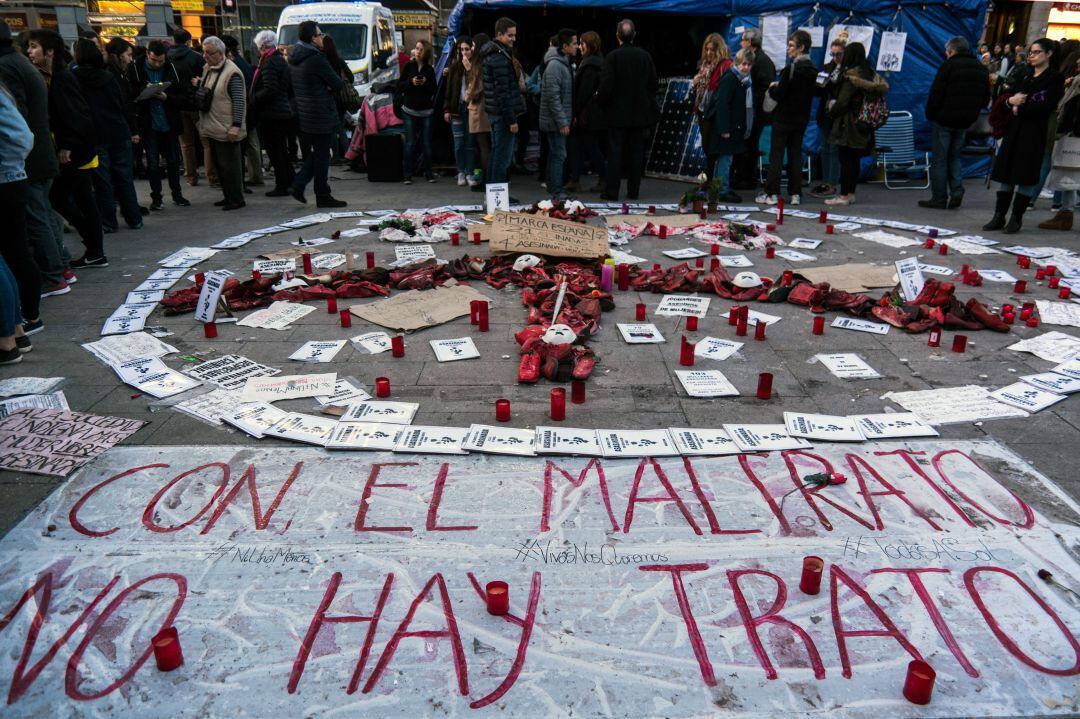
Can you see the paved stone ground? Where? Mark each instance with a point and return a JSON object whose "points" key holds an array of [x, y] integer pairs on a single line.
{"points": [[632, 387]]}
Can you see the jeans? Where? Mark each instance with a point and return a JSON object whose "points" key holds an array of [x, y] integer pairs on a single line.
{"points": [[1030, 191], [586, 145], [46, 239], [316, 165], [1044, 171], [417, 140], [830, 156], [628, 141], [273, 135], [722, 172], [114, 183], [849, 169], [786, 139], [228, 160], [15, 250], [502, 151], [156, 144], [252, 152], [10, 316], [556, 162], [946, 173], [463, 143], [72, 195]]}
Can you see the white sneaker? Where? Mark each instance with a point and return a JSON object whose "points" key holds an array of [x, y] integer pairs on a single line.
{"points": [[764, 199], [796, 200], [461, 179], [472, 181]]}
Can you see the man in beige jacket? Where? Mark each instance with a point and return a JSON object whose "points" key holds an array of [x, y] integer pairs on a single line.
{"points": [[221, 119]]}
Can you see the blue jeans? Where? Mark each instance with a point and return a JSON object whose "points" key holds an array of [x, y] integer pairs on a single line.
{"points": [[463, 143], [44, 233], [946, 173], [830, 162], [1037, 188], [10, 316], [556, 162], [417, 137], [114, 183], [502, 151], [316, 165], [157, 143], [722, 172]]}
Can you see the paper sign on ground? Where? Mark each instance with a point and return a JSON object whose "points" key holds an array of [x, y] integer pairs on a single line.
{"points": [[344, 391], [230, 371], [432, 440], [690, 441], [500, 440], [313, 242], [687, 253], [736, 261], [415, 310], [852, 323], [1026, 396], [567, 440], [120, 348], [763, 437], [136, 297], [948, 405], [301, 427], [1051, 346], [997, 276], [935, 270], [706, 383], [407, 254], [803, 243], [450, 350], [328, 261], [56, 443], [1069, 368], [273, 267], [497, 197], [640, 333], [683, 305], [256, 417], [211, 406], [513, 232], [318, 351], [888, 239], [911, 279], [1053, 382], [716, 348], [753, 317], [151, 376], [372, 342], [846, 365], [209, 295], [154, 285], [127, 318], [53, 400], [278, 316], [365, 435], [377, 411], [636, 443], [892, 425], [272, 389], [827, 427], [794, 255], [15, 386], [1059, 313], [187, 257]]}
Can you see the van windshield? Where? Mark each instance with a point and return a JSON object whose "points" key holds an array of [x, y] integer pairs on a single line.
{"points": [[351, 40]]}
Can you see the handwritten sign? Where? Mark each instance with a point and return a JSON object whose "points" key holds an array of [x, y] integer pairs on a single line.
{"points": [[513, 232], [53, 442], [271, 389], [415, 310]]}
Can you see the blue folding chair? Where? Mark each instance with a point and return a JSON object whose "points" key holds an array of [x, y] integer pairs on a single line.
{"points": [[895, 150]]}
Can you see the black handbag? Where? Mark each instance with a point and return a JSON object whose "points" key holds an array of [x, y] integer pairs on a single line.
{"points": [[204, 97]]}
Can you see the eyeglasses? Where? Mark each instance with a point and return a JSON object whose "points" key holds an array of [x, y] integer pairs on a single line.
{"points": [[1034, 51]]}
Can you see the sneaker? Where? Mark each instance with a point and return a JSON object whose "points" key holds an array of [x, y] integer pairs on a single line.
{"points": [[23, 344], [87, 261], [180, 201], [543, 186], [461, 179], [70, 277], [60, 288], [841, 200], [431, 179], [157, 205], [11, 356], [32, 327], [796, 200], [472, 181], [764, 199], [407, 181]]}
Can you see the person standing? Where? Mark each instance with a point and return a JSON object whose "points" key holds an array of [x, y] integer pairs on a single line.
{"points": [[250, 146], [271, 110], [479, 125], [159, 121], [188, 65], [1033, 103], [314, 84], [222, 120], [853, 138], [502, 97], [730, 116], [715, 61], [417, 86], [587, 131], [75, 139], [793, 95], [557, 107], [960, 91], [627, 94], [828, 82], [456, 111], [746, 174]]}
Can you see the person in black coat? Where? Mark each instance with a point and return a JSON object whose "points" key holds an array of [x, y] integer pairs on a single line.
{"points": [[627, 94], [731, 117], [188, 65], [1018, 165], [745, 168], [271, 110], [417, 87], [960, 91], [587, 131], [159, 120], [828, 83], [502, 97], [793, 94]]}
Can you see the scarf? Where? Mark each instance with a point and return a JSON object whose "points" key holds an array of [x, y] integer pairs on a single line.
{"points": [[258, 68], [718, 72]]}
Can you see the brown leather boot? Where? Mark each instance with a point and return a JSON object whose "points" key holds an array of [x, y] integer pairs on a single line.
{"points": [[1063, 221]]}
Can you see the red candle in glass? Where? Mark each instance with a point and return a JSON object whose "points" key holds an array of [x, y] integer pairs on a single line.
{"points": [[397, 345], [770, 252], [943, 249], [346, 318], [704, 215], [210, 330], [663, 232], [498, 598], [744, 313], [770, 227], [1006, 308], [1025, 312], [759, 330], [1040, 274], [691, 324], [714, 249], [1025, 262], [455, 239], [558, 404], [306, 257], [371, 260], [200, 277], [482, 307], [919, 683], [652, 209], [1032, 321], [819, 325], [829, 229], [1009, 317], [787, 278], [733, 315], [1051, 270], [382, 386], [167, 651], [823, 217], [502, 410], [624, 277], [929, 243], [1020, 287], [331, 305], [741, 327], [699, 263], [714, 264], [686, 353], [1053, 282], [474, 312], [1063, 293], [812, 569], [577, 391], [964, 269], [476, 238], [935, 337], [959, 343], [764, 385], [639, 312], [656, 266]]}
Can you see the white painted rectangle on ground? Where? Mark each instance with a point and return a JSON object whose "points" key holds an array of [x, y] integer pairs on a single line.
{"points": [[853, 323], [847, 365], [272, 389], [683, 305], [500, 440], [230, 371], [365, 436], [380, 411], [567, 440], [763, 437], [828, 427], [450, 350], [706, 383], [255, 417], [691, 441], [432, 440], [636, 443], [318, 351], [950, 405], [1026, 396], [716, 348], [300, 427], [893, 425], [640, 333], [1053, 382]]}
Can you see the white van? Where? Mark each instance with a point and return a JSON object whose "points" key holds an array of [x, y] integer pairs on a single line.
{"points": [[363, 32]]}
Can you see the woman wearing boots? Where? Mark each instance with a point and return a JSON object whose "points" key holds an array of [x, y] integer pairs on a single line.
{"points": [[1019, 161]]}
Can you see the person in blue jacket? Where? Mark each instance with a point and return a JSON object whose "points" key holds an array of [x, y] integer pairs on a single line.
{"points": [[732, 116]]}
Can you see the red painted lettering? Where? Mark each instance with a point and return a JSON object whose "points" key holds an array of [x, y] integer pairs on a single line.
{"points": [[73, 515], [526, 625], [262, 521], [365, 498], [710, 515], [814, 495], [672, 495], [1029, 516], [744, 462], [151, 508], [836, 574], [909, 457], [854, 461], [696, 642], [432, 524], [549, 491]]}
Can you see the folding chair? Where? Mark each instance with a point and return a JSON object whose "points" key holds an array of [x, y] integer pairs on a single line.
{"points": [[895, 150]]}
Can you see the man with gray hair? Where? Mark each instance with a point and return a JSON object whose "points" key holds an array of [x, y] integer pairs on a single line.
{"points": [[222, 103], [745, 168], [960, 91], [271, 109]]}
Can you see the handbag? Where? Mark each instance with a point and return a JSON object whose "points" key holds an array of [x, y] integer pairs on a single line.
{"points": [[768, 104], [204, 97], [348, 98], [1065, 164]]}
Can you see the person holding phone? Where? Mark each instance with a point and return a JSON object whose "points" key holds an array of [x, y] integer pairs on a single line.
{"points": [[417, 86]]}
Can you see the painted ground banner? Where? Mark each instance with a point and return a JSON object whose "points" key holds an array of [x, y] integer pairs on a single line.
{"points": [[306, 582]]}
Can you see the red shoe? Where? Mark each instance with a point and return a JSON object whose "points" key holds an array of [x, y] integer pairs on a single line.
{"points": [[988, 319], [926, 294], [584, 362], [70, 277], [550, 368], [529, 369], [895, 316], [530, 332]]}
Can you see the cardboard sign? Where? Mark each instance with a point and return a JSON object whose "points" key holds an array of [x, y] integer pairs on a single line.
{"points": [[497, 197], [56, 443], [853, 277], [415, 310], [209, 296], [513, 232]]}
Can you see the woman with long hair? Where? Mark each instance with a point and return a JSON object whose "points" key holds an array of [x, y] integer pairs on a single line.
{"points": [[587, 131], [339, 145], [456, 109], [1033, 105], [853, 138], [479, 126], [418, 87], [715, 61]]}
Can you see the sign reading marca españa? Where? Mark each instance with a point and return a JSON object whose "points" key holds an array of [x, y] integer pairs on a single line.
{"points": [[522, 232]]}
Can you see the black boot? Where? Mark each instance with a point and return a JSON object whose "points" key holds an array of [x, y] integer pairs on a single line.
{"points": [[1019, 207], [998, 220]]}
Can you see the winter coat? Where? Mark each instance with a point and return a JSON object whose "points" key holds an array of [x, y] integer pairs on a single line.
{"points": [[557, 92], [628, 86], [960, 91], [855, 86], [452, 102], [16, 139], [70, 120], [32, 98], [314, 83], [502, 93], [726, 114], [102, 92], [418, 98], [762, 74], [825, 93], [586, 85], [794, 93], [138, 79], [1023, 147], [272, 90], [187, 63], [478, 117], [125, 95]]}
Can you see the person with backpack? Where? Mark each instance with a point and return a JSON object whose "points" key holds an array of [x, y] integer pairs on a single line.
{"points": [[859, 109], [1032, 106]]}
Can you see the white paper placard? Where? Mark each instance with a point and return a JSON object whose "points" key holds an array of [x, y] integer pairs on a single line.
{"points": [[852, 323], [997, 276], [1051, 346], [151, 376], [888, 239], [120, 348], [187, 257], [817, 35], [365, 435], [327, 261], [372, 342], [313, 242], [432, 440], [1026, 396], [318, 351], [1059, 313], [911, 279], [450, 350], [206, 306], [763, 437], [706, 383], [827, 427], [211, 406], [753, 317], [949, 405], [272, 389], [683, 305], [273, 267], [344, 391], [891, 51], [803, 243], [736, 261], [15, 386], [846, 226], [862, 34], [255, 417], [230, 371], [407, 254], [691, 441], [278, 316], [640, 333], [1069, 368], [567, 440], [142, 296], [301, 427], [379, 411], [497, 197], [893, 425], [1035, 253], [500, 440], [774, 34], [154, 285], [687, 253], [716, 348], [935, 270], [167, 273], [794, 255], [53, 400], [1053, 382], [846, 365], [636, 443]]}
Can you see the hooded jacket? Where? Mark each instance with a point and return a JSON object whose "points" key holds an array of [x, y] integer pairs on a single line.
{"points": [[103, 96], [70, 120], [855, 86], [556, 92], [32, 98], [502, 96], [187, 63], [139, 79], [314, 83]]}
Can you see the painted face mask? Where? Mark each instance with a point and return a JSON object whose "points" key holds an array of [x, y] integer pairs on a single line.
{"points": [[559, 335], [525, 262]]}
